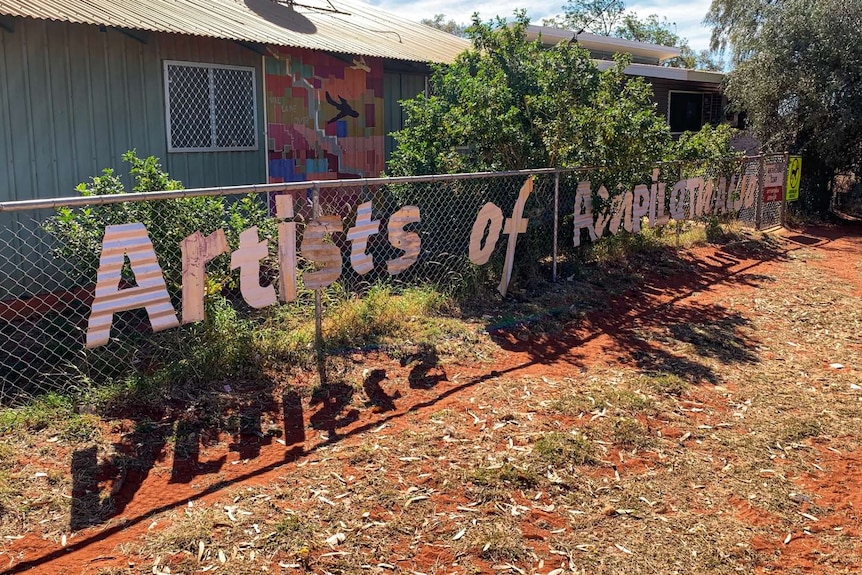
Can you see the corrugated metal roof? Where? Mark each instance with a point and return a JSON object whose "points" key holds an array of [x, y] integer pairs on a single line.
{"points": [[345, 26]]}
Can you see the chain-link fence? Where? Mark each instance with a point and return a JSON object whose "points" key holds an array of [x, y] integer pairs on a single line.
{"points": [[748, 187], [762, 180], [773, 191], [84, 280]]}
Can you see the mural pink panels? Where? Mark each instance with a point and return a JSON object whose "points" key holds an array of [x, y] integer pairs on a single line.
{"points": [[324, 115]]}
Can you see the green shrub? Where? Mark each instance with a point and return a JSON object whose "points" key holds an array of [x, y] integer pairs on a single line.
{"points": [[507, 104], [138, 361], [79, 231]]}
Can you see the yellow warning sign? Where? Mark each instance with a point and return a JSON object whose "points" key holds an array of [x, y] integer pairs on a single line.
{"points": [[794, 176]]}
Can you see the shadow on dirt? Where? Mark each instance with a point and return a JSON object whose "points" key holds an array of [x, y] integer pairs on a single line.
{"points": [[646, 309], [427, 372], [375, 392], [178, 431], [334, 399]]}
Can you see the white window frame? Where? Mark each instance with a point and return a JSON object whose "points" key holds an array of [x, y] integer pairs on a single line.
{"points": [[210, 67], [684, 92]]}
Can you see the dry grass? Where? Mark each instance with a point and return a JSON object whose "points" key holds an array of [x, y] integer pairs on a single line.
{"points": [[606, 467], [681, 508]]}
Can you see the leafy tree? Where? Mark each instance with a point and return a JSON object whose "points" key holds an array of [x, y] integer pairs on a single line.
{"points": [[712, 143], [593, 16], [439, 21], [654, 30], [735, 22], [799, 79], [651, 30], [511, 104], [608, 18]]}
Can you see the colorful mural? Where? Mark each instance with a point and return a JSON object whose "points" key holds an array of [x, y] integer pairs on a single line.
{"points": [[324, 116]]}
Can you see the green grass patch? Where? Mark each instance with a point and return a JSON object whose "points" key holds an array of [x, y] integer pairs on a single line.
{"points": [[499, 541], [800, 429], [611, 398], [560, 449], [666, 384], [507, 474], [380, 314], [631, 433], [293, 534], [41, 413]]}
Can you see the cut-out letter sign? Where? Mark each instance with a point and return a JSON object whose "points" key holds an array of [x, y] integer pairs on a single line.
{"points": [[584, 212], [316, 248], [622, 213], [640, 207], [198, 249], [604, 216], [491, 217], [515, 225], [358, 235], [151, 292], [286, 248], [677, 201], [400, 239], [247, 259]]}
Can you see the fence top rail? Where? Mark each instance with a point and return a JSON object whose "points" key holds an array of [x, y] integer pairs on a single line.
{"points": [[80, 201]]}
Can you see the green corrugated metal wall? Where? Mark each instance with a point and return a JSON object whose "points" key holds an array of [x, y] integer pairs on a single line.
{"points": [[397, 86], [74, 98]]}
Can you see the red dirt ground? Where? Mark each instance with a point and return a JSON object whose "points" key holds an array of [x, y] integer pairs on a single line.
{"points": [[603, 339]]}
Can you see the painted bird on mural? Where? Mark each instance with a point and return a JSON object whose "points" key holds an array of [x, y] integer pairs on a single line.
{"points": [[343, 108], [359, 64]]}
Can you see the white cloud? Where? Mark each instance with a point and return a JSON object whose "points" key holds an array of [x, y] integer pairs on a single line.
{"points": [[462, 12], [687, 14]]}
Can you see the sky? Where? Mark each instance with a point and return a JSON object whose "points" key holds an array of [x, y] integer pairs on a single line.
{"points": [[687, 14]]}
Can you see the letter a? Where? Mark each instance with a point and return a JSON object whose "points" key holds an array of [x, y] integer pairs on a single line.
{"points": [[151, 293]]}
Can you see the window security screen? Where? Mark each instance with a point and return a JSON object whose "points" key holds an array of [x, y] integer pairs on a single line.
{"points": [[210, 107]]}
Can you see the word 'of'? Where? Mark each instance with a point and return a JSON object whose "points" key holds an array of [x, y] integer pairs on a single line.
{"points": [[490, 218]]}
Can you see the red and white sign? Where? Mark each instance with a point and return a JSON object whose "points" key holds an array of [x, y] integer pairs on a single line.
{"points": [[773, 185]]}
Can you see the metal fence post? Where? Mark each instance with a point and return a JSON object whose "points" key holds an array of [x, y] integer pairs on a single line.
{"points": [[318, 304], [556, 219], [758, 201]]}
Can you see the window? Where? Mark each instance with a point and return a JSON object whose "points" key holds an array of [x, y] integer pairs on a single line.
{"points": [[210, 107], [685, 112]]}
